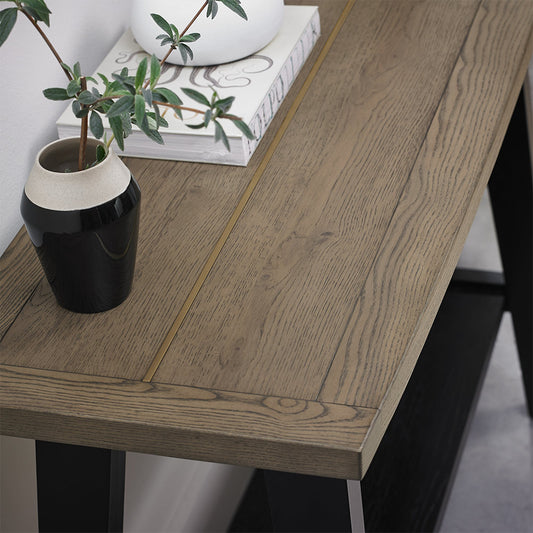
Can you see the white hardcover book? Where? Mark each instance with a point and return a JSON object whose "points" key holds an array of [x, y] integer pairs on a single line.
{"points": [[259, 83]]}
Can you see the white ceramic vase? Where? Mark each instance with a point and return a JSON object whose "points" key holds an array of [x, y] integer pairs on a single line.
{"points": [[225, 38]]}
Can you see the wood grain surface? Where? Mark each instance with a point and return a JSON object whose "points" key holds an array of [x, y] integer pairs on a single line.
{"points": [[278, 310], [450, 174], [262, 322], [451, 171], [185, 207], [20, 273], [183, 421]]}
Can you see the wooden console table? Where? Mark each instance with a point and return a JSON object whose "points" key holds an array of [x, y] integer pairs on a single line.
{"points": [[278, 310]]}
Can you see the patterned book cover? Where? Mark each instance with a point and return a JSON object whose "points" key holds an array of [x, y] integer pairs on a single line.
{"points": [[259, 83]]}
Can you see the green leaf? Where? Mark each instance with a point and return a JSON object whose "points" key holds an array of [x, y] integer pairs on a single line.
{"points": [[103, 107], [235, 6], [185, 52], [154, 135], [225, 104], [122, 105], [208, 115], [168, 96], [196, 126], [220, 135], [73, 87], [125, 82], [162, 23], [114, 88], [162, 94], [79, 112], [56, 93], [66, 67], [196, 96], [76, 107], [101, 153], [167, 40], [151, 133], [126, 124], [245, 129], [156, 115], [155, 71], [212, 8], [38, 10], [152, 123], [118, 131], [8, 17], [141, 73], [96, 125], [157, 118], [148, 96], [77, 70], [190, 38], [104, 79], [140, 108], [175, 31], [87, 98]]}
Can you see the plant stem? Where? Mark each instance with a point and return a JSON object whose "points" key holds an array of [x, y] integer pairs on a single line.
{"points": [[172, 48], [194, 18], [192, 109], [43, 35], [180, 107], [157, 102], [111, 139], [82, 155]]}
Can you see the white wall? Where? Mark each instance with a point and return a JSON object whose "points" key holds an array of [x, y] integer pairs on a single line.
{"points": [[84, 31], [81, 31]]}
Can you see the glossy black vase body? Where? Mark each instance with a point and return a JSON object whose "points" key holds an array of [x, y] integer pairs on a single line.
{"points": [[88, 254]]}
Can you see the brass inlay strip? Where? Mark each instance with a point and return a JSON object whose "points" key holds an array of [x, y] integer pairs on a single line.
{"points": [[159, 356]]}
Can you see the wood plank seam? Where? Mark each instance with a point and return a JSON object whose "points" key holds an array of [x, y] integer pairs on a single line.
{"points": [[400, 196], [167, 341], [379, 424], [46, 402]]}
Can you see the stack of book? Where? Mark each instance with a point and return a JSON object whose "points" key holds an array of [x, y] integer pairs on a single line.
{"points": [[259, 83]]}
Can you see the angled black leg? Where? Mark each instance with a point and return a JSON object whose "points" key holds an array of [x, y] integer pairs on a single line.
{"points": [[407, 484], [283, 502], [511, 195], [307, 504], [79, 489]]}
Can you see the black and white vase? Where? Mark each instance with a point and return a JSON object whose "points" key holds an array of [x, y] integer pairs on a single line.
{"points": [[84, 225]]}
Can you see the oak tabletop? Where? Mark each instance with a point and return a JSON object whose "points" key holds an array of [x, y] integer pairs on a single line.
{"points": [[278, 310]]}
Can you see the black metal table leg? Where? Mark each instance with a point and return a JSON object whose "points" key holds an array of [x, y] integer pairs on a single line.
{"points": [[283, 502], [307, 504], [406, 486], [511, 195], [79, 489]]}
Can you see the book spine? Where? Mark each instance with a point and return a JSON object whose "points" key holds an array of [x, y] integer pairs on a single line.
{"points": [[279, 89]]}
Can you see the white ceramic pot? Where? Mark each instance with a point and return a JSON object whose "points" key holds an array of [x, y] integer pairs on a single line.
{"points": [[225, 38]]}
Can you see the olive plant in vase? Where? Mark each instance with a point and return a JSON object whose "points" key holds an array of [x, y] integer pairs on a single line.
{"points": [[80, 203]]}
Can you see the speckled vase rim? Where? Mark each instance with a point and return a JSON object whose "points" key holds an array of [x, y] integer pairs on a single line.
{"points": [[82, 189]]}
